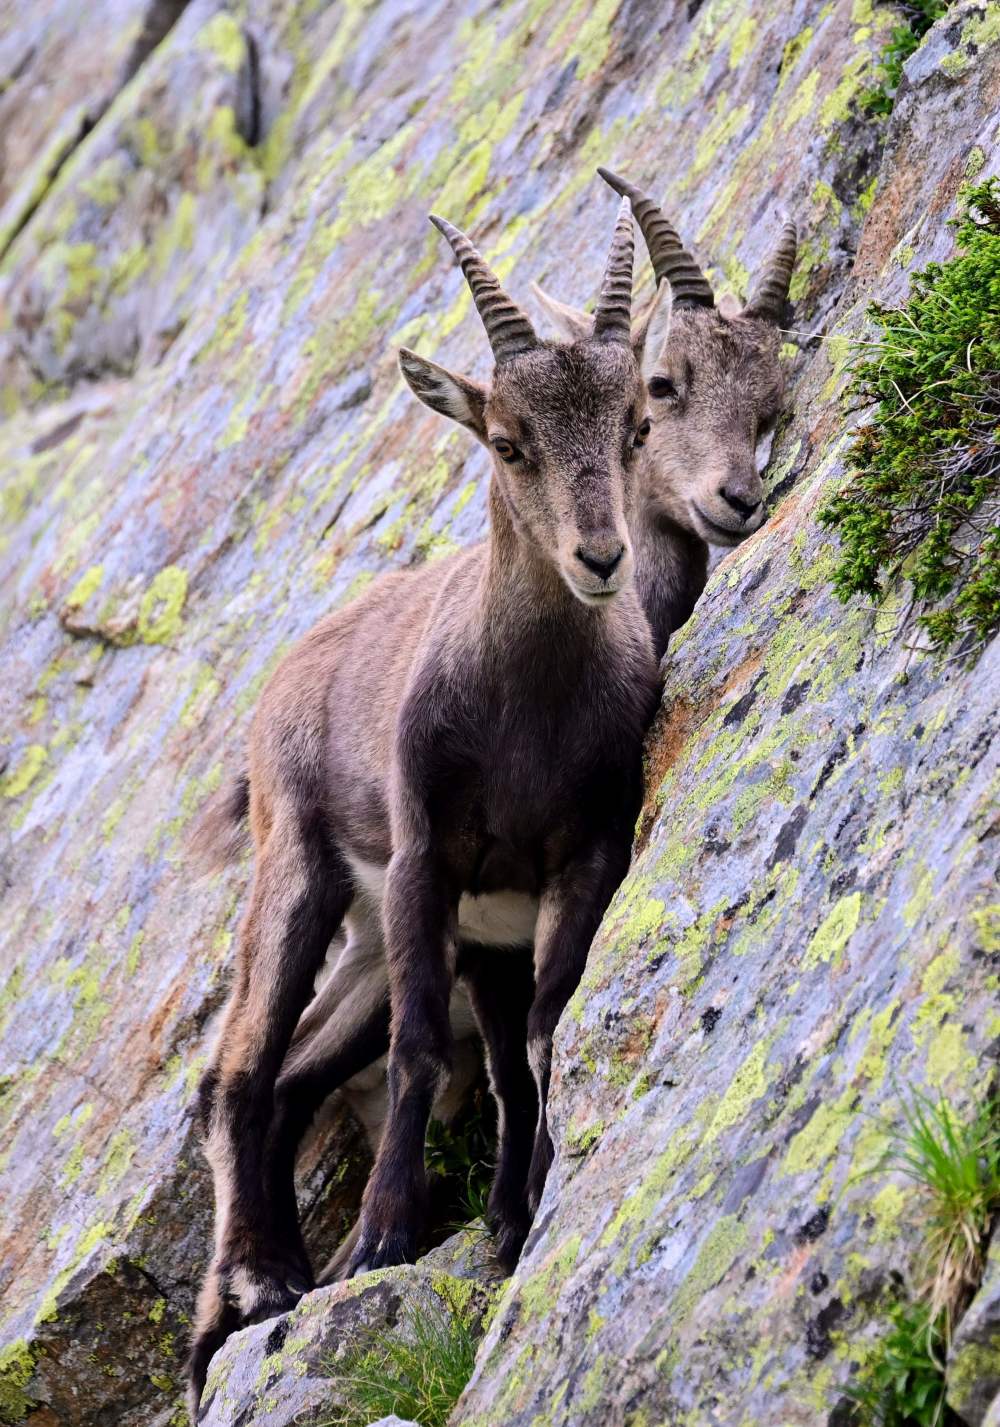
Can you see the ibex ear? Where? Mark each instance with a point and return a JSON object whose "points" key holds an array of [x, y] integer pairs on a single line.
{"points": [[571, 323], [649, 336], [729, 306], [458, 397]]}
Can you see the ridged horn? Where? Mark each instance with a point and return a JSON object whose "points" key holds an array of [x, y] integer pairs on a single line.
{"points": [[613, 313], [770, 292], [670, 259], [509, 330]]}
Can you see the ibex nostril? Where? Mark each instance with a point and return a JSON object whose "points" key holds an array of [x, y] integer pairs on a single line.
{"points": [[604, 568], [743, 508]]}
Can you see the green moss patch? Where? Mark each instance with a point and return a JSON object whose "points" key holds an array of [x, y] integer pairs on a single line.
{"points": [[923, 498]]}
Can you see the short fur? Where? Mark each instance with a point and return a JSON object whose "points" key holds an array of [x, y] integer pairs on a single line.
{"points": [[470, 729]]}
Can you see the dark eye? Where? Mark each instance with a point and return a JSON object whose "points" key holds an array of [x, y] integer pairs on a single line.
{"points": [[662, 389], [506, 450], [641, 433]]}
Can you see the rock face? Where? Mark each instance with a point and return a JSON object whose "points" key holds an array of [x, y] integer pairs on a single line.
{"points": [[285, 1373], [213, 236]]}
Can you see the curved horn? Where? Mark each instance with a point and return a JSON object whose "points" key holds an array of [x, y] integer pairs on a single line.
{"points": [[770, 292], [508, 329], [669, 257], [613, 313]]}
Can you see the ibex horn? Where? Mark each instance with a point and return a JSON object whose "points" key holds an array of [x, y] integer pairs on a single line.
{"points": [[770, 292], [509, 330], [670, 259], [613, 313]]}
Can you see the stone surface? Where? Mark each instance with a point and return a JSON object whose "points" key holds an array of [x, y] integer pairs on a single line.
{"points": [[974, 1360], [205, 444], [283, 1373]]}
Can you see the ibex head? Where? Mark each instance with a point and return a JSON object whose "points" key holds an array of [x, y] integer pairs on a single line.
{"points": [[713, 376], [562, 421]]}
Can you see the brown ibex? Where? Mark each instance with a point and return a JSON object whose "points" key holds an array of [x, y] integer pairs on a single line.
{"points": [[458, 750], [718, 385]]}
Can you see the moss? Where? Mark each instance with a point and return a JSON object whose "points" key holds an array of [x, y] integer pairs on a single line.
{"points": [[161, 606], [970, 1368], [926, 464], [17, 1367]]}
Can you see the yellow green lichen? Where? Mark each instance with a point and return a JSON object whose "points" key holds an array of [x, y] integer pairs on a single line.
{"points": [[161, 606], [834, 932], [25, 771]]}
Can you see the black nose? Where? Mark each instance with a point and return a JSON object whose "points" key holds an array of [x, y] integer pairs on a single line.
{"points": [[743, 508], [604, 568]]}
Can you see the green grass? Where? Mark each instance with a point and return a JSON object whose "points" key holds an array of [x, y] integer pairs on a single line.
{"points": [[919, 16], [419, 1372], [903, 1384], [922, 501], [955, 1167], [459, 1162]]}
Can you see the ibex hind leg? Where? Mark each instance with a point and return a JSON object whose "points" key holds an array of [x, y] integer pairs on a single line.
{"points": [[501, 987], [301, 892]]}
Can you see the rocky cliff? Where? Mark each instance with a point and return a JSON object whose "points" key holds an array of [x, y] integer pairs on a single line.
{"points": [[213, 236]]}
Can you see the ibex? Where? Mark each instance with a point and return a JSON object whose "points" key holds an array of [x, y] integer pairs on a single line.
{"points": [[716, 383], [456, 758]]}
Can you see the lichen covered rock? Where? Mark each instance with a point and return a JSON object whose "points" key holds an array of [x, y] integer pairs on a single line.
{"points": [[284, 1373], [205, 445]]}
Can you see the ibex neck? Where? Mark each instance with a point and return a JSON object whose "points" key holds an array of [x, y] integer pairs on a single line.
{"points": [[521, 583]]}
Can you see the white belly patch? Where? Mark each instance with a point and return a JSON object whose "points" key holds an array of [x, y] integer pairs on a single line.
{"points": [[493, 919]]}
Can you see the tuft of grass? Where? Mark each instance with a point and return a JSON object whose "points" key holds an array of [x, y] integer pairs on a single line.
{"points": [[956, 1168], [418, 1373], [923, 497], [918, 17]]}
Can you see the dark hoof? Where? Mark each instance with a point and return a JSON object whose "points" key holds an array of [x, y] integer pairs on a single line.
{"points": [[385, 1251]]}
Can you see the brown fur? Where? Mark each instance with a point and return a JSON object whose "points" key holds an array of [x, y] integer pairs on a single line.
{"points": [[471, 729]]}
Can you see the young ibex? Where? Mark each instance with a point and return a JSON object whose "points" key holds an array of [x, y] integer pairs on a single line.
{"points": [[717, 385], [457, 756]]}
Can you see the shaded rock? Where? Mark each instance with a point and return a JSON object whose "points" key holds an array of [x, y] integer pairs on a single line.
{"points": [[468, 1253], [973, 1374], [284, 1371]]}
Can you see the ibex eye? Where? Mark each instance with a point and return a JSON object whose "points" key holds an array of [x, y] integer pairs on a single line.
{"points": [[506, 450], [662, 388], [642, 433]]}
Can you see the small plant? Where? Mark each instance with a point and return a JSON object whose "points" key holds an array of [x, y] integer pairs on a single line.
{"points": [[902, 1384], [418, 1373], [919, 16], [924, 495], [956, 1168], [459, 1162]]}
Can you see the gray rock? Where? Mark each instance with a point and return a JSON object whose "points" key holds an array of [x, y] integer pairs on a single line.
{"points": [[973, 1374], [284, 1372]]}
